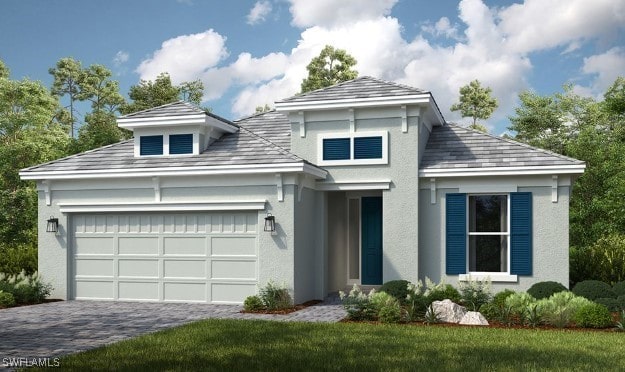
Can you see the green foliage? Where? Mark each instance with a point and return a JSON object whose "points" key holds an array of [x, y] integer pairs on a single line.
{"points": [[26, 289], [475, 293], [397, 289], [416, 300], [518, 305], [619, 288], [533, 315], [253, 303], [431, 316], [559, 309], [192, 91], [621, 301], [261, 109], [500, 298], [604, 260], [387, 307], [441, 291], [67, 75], [497, 309], [17, 258], [593, 315], [542, 290], [358, 304], [475, 102], [612, 304], [330, 67], [620, 323], [491, 311], [593, 289], [275, 297], [6, 299]]}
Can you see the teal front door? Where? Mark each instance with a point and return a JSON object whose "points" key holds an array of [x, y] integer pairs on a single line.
{"points": [[371, 240]]}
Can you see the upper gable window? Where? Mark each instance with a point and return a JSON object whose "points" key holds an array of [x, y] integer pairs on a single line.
{"points": [[180, 144], [151, 145], [353, 148]]}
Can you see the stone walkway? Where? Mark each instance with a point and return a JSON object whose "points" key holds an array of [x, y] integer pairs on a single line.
{"points": [[59, 328]]}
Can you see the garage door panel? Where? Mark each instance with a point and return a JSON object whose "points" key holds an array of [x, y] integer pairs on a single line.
{"points": [[233, 246], [226, 269], [185, 269], [94, 290], [231, 292], [94, 245], [185, 292], [140, 268], [138, 245], [184, 246], [138, 291], [85, 267]]}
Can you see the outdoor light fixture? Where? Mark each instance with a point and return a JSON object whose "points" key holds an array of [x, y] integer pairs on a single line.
{"points": [[270, 223], [53, 225]]}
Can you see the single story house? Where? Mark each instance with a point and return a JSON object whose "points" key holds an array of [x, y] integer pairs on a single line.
{"points": [[361, 182]]}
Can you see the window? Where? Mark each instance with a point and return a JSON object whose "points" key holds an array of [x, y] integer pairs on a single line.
{"points": [[181, 144], [353, 149], [151, 145], [488, 233]]}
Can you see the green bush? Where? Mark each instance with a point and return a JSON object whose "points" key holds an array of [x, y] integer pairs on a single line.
{"points": [[275, 297], [619, 288], [495, 310], [518, 305], [475, 293], [443, 292], [358, 304], [499, 299], [593, 315], [542, 290], [416, 301], [593, 289], [491, 311], [26, 289], [397, 289], [559, 309], [611, 303], [253, 303], [15, 259], [6, 299], [621, 301], [390, 311]]}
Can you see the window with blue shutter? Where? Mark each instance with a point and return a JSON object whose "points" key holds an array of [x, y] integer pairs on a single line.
{"points": [[521, 233], [181, 144], [151, 145], [456, 234], [336, 148], [368, 147]]}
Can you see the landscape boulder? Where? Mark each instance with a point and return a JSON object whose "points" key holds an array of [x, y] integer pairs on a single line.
{"points": [[473, 318], [448, 311]]}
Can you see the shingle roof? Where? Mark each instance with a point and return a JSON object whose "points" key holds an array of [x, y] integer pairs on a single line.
{"points": [[273, 126], [180, 108], [359, 88], [454, 147], [240, 148]]}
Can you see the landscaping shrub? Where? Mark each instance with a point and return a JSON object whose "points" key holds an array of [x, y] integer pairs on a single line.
{"points": [[621, 301], [416, 301], [17, 258], [593, 315], [499, 299], [611, 303], [495, 310], [593, 289], [475, 293], [275, 297], [26, 289], [491, 311], [519, 305], [6, 299], [619, 288], [440, 291], [397, 289], [253, 303], [390, 311], [542, 290], [358, 304], [558, 310]]}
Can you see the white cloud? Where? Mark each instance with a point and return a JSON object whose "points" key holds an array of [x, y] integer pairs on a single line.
{"points": [[185, 57], [329, 13], [442, 27], [606, 66], [120, 58], [259, 12]]}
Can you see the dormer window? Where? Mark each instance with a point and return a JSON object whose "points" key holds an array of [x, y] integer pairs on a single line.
{"points": [[151, 145], [180, 144]]}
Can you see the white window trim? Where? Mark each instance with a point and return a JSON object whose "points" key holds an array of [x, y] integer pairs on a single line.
{"points": [[495, 276], [351, 160]]}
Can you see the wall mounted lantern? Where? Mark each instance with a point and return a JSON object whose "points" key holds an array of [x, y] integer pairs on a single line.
{"points": [[270, 223], [53, 225]]}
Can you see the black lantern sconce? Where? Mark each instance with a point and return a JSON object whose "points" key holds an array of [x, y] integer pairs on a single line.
{"points": [[270, 223], [53, 225]]}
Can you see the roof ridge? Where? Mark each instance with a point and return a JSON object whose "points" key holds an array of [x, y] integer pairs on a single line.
{"points": [[405, 86], [516, 143], [254, 115], [152, 108]]}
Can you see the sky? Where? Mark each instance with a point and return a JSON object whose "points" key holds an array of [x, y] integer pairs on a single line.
{"points": [[252, 53]]}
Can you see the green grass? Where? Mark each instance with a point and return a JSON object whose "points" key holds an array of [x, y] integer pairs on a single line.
{"points": [[263, 345]]}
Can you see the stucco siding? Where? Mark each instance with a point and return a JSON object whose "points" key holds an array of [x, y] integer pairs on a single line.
{"points": [[337, 240], [307, 243]]}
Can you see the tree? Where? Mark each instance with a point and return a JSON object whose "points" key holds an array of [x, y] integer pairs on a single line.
{"points": [[192, 91], [261, 109], [331, 66], [67, 75], [475, 102], [4, 71]]}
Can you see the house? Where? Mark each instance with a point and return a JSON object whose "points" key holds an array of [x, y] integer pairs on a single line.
{"points": [[362, 182]]}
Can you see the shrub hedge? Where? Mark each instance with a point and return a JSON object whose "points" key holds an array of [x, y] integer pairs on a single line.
{"points": [[397, 289], [594, 289], [593, 315], [542, 290]]}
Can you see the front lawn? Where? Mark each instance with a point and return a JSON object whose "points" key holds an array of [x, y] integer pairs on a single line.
{"points": [[265, 345]]}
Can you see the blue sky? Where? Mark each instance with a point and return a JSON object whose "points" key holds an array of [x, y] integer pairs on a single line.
{"points": [[249, 53]]}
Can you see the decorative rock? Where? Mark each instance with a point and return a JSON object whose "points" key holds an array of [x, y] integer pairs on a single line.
{"points": [[473, 318], [448, 311]]}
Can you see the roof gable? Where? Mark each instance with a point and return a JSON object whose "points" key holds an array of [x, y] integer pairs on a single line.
{"points": [[272, 125]]}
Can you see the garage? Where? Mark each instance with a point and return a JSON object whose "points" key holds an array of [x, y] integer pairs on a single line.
{"points": [[209, 257]]}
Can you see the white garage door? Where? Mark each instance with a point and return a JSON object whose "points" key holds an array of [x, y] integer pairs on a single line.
{"points": [[190, 257]]}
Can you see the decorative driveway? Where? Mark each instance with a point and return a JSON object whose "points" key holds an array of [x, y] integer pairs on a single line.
{"points": [[59, 328]]}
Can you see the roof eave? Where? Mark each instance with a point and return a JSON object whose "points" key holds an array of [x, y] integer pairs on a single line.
{"points": [[178, 120], [503, 171], [352, 102]]}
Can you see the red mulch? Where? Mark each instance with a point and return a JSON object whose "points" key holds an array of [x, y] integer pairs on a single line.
{"points": [[286, 311]]}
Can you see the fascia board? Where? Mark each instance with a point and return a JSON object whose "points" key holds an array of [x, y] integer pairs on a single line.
{"points": [[352, 102], [503, 171]]}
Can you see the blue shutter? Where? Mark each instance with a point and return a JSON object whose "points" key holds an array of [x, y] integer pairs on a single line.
{"points": [[181, 144], [368, 147], [151, 145], [456, 234], [521, 233], [336, 148]]}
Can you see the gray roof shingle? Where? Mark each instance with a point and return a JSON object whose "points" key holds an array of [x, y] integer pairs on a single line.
{"points": [[180, 108], [273, 126], [359, 88], [452, 147]]}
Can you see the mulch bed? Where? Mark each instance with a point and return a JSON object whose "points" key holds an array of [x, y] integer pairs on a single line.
{"points": [[44, 302], [285, 311]]}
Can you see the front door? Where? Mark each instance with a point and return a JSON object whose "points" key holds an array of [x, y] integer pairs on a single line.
{"points": [[371, 230]]}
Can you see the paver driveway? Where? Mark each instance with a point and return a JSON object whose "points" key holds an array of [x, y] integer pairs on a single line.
{"points": [[59, 328]]}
